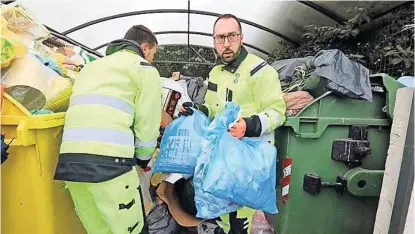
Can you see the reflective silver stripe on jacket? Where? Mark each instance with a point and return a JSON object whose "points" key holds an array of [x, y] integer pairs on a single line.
{"points": [[264, 118], [264, 123], [100, 99], [144, 144], [145, 157], [100, 135]]}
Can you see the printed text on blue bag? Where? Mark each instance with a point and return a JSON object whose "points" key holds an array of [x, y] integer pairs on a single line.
{"points": [[180, 144]]}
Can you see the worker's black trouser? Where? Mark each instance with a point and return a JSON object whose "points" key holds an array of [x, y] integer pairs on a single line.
{"points": [[238, 226]]}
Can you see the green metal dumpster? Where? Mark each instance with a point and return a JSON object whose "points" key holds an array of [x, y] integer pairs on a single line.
{"points": [[332, 157]]}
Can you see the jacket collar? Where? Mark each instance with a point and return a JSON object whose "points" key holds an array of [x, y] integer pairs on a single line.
{"points": [[124, 44], [234, 65]]}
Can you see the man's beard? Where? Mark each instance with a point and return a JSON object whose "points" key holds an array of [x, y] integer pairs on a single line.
{"points": [[230, 59]]}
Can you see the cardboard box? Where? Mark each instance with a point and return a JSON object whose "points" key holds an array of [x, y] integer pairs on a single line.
{"points": [[166, 193]]}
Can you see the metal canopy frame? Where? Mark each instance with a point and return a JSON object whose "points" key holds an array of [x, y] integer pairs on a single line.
{"points": [[332, 15], [70, 40], [193, 33], [341, 20], [329, 13], [166, 11], [390, 10], [311, 4], [6, 2]]}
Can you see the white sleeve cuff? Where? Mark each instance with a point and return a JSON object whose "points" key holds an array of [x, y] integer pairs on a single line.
{"points": [[264, 123]]}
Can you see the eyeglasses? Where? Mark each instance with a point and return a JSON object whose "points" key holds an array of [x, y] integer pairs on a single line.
{"points": [[231, 38]]}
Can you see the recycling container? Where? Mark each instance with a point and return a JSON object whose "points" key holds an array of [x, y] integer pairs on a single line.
{"points": [[332, 156], [31, 201]]}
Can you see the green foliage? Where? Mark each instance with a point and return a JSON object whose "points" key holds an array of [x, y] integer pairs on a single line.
{"points": [[400, 55], [328, 34], [383, 45]]}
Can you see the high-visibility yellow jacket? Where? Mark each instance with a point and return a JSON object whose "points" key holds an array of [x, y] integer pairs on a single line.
{"points": [[114, 114], [254, 85]]}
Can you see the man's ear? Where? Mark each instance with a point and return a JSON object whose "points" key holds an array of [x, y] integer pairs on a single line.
{"points": [[242, 37], [144, 47]]}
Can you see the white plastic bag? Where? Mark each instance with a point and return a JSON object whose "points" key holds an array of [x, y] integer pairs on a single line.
{"points": [[260, 224]]}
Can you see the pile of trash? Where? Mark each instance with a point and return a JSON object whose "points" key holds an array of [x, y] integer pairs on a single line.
{"points": [[186, 179], [304, 79], [192, 189], [179, 89], [38, 70]]}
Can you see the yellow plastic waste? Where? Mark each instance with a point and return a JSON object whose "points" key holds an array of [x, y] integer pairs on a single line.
{"points": [[11, 45], [7, 52], [31, 201], [60, 102], [21, 22]]}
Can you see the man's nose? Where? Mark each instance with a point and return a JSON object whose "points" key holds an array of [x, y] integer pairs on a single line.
{"points": [[226, 43]]}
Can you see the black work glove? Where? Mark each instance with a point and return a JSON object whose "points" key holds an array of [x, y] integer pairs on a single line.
{"points": [[253, 126], [161, 129], [187, 109], [142, 163]]}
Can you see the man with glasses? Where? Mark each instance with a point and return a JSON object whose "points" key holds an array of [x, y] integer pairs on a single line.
{"points": [[249, 81]]}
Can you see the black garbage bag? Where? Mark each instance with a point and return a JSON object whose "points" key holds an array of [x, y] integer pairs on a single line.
{"points": [[289, 71], [196, 88], [4, 148], [330, 69], [185, 192], [209, 228], [160, 221]]}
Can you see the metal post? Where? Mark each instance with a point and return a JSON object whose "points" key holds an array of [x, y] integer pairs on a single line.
{"points": [[188, 30]]}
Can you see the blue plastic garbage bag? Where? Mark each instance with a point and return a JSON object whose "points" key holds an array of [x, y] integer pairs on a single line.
{"points": [[51, 63], [208, 206], [408, 81], [181, 144], [242, 171]]}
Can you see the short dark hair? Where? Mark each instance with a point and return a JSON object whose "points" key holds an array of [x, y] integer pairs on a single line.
{"points": [[228, 16], [141, 34]]}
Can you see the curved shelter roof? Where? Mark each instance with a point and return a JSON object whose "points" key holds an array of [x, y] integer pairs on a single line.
{"points": [[97, 22]]}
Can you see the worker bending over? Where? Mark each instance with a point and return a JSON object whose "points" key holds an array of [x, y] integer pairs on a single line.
{"points": [[250, 82], [112, 124]]}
